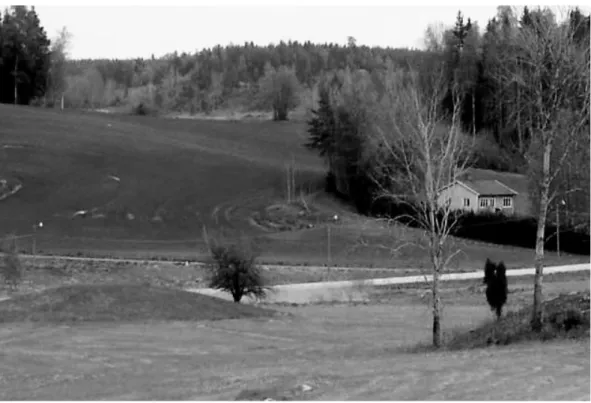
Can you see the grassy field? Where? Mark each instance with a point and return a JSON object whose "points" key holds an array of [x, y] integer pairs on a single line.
{"points": [[120, 303], [339, 351], [40, 274], [174, 176], [149, 185]]}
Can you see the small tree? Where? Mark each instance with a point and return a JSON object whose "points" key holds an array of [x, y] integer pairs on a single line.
{"points": [[11, 270], [496, 286], [279, 90], [234, 269], [418, 150], [56, 79]]}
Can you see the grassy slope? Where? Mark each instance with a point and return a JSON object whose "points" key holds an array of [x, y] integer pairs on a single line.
{"points": [[177, 169], [120, 303], [189, 173]]}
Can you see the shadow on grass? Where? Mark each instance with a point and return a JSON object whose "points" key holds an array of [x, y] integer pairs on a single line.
{"points": [[121, 303], [565, 317]]}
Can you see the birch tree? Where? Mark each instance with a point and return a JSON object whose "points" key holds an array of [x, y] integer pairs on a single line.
{"points": [[553, 82], [418, 149], [56, 78]]}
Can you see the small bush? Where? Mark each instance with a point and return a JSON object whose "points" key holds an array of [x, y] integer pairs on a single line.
{"points": [[234, 269], [496, 286], [566, 320], [141, 110], [11, 270]]}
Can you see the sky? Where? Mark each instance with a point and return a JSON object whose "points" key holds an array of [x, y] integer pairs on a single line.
{"points": [[123, 31]]}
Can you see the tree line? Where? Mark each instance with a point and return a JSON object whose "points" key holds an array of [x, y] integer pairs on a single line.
{"points": [[32, 68], [488, 94]]}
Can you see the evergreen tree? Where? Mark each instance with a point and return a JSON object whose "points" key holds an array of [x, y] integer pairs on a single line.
{"points": [[25, 56], [321, 127]]}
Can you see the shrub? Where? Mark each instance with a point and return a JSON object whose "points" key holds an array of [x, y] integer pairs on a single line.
{"points": [[11, 270], [566, 317], [496, 286], [234, 270], [566, 320], [141, 110]]}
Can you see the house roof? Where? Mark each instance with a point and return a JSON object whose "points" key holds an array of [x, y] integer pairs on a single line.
{"points": [[488, 187]]}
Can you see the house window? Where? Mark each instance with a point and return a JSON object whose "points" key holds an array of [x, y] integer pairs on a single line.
{"points": [[487, 202], [466, 202], [507, 202]]}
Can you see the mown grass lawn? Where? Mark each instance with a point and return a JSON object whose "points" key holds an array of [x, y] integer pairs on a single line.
{"points": [[339, 351]]}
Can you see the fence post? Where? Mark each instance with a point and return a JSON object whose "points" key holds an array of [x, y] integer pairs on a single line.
{"points": [[328, 256]]}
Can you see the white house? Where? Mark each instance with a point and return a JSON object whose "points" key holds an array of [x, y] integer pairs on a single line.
{"points": [[479, 196]]}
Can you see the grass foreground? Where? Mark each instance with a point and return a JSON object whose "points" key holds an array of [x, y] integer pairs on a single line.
{"points": [[339, 352], [362, 351]]}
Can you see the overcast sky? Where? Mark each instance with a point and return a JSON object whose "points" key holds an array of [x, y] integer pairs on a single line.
{"points": [[111, 31]]}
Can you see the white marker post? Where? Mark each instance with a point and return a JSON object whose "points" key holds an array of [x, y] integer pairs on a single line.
{"points": [[328, 251], [39, 225]]}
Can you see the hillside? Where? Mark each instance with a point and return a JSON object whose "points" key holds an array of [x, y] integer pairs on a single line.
{"points": [[129, 186], [139, 177]]}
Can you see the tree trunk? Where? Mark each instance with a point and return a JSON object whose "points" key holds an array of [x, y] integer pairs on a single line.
{"points": [[436, 310], [16, 80], [537, 314], [281, 114], [473, 112], [520, 142]]}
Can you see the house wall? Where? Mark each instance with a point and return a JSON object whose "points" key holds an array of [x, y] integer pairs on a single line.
{"points": [[498, 204], [457, 194]]}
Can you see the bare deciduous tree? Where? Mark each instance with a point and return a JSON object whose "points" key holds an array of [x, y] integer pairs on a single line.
{"points": [[553, 79], [56, 79], [418, 151]]}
